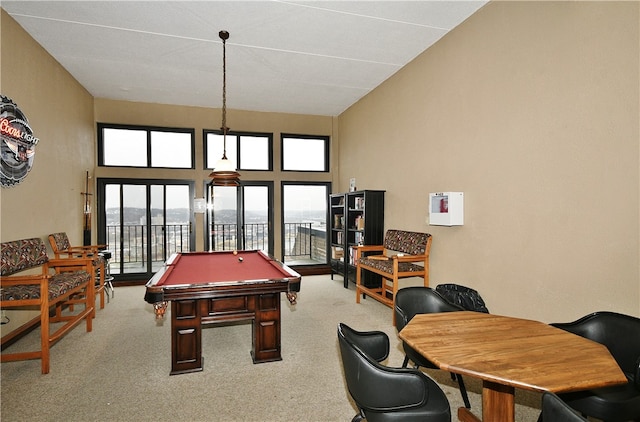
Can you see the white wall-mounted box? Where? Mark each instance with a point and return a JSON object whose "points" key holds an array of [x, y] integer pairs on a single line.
{"points": [[446, 209]]}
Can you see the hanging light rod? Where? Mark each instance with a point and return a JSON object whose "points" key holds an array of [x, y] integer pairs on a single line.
{"points": [[224, 173]]}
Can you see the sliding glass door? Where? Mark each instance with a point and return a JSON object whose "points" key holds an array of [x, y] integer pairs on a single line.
{"points": [[240, 217], [143, 222]]}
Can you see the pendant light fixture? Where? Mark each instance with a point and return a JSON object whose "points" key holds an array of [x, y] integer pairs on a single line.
{"points": [[224, 173]]}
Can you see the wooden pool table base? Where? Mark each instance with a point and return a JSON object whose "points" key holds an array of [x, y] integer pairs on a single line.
{"points": [[189, 315]]}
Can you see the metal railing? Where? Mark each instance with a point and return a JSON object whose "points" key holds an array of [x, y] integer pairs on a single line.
{"points": [[297, 240], [302, 241], [134, 242]]}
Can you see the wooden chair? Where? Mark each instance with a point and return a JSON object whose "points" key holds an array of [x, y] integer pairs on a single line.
{"points": [[403, 254], [62, 249]]}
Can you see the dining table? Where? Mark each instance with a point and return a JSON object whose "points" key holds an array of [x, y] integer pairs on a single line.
{"points": [[508, 353]]}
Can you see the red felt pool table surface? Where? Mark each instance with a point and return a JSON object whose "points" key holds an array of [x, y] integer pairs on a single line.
{"points": [[198, 268]]}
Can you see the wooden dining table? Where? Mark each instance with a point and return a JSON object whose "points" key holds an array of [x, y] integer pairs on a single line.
{"points": [[508, 353]]}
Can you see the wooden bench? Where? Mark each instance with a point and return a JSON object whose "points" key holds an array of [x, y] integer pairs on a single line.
{"points": [[403, 254], [53, 286]]}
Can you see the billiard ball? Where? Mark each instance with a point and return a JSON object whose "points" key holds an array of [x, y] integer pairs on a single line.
{"points": [[235, 252], [240, 259]]}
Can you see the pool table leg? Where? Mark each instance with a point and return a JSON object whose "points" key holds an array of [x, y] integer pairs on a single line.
{"points": [[186, 336], [266, 328]]}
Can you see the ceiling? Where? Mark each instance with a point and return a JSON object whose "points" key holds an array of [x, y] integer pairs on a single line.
{"points": [[307, 57]]}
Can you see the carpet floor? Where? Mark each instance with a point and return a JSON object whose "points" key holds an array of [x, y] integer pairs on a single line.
{"points": [[120, 371]]}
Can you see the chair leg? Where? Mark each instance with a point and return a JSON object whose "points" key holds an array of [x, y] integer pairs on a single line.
{"points": [[463, 391], [405, 362], [358, 417]]}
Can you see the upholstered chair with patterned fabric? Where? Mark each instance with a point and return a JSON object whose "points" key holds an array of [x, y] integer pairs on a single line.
{"points": [[403, 254], [62, 248]]}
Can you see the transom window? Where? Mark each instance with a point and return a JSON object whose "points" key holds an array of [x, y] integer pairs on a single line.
{"points": [[305, 153], [139, 146], [248, 151]]}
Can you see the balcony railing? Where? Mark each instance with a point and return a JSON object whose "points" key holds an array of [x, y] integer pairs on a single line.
{"points": [[303, 242]]}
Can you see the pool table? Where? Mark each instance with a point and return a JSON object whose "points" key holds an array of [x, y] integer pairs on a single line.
{"points": [[221, 287]]}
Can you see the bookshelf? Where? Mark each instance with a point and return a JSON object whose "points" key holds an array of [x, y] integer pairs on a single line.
{"points": [[357, 218]]}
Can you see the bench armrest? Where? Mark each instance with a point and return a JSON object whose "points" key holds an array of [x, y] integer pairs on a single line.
{"points": [[369, 248], [71, 263], [360, 249], [19, 280], [83, 250], [410, 258]]}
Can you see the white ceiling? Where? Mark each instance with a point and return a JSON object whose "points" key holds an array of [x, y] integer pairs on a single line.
{"points": [[308, 57]]}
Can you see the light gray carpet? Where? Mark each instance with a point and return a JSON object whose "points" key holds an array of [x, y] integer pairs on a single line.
{"points": [[120, 371]]}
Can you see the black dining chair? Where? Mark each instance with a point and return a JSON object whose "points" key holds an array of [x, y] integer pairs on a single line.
{"points": [[411, 301], [463, 296], [555, 410], [385, 394], [621, 335]]}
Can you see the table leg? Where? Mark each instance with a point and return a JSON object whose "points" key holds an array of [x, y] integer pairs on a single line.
{"points": [[498, 404], [465, 415], [266, 329], [186, 336]]}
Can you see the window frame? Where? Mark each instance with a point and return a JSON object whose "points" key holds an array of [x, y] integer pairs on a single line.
{"points": [[327, 150], [148, 130], [235, 137]]}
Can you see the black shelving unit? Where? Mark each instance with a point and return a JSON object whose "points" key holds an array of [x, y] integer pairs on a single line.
{"points": [[337, 235], [357, 218]]}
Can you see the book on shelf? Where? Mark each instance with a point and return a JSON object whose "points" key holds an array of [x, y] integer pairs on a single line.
{"points": [[359, 222], [337, 252], [352, 255]]}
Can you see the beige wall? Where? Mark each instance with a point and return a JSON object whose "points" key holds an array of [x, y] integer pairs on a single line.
{"points": [[532, 110], [60, 113]]}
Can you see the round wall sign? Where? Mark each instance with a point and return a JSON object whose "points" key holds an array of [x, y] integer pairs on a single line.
{"points": [[18, 144]]}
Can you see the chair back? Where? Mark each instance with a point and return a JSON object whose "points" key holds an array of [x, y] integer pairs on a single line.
{"points": [[618, 332], [368, 381], [411, 243], [556, 410], [463, 296], [412, 301], [19, 255], [59, 242], [374, 344]]}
